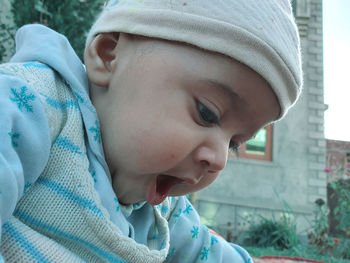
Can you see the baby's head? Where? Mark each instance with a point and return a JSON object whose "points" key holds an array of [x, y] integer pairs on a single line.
{"points": [[176, 84]]}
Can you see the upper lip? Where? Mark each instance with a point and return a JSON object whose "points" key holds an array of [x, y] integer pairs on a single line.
{"points": [[189, 180]]}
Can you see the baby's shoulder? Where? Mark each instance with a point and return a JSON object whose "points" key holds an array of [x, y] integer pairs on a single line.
{"points": [[55, 94], [39, 77], [23, 69], [34, 74]]}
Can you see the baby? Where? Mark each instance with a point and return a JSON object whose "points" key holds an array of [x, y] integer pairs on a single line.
{"points": [[95, 160]]}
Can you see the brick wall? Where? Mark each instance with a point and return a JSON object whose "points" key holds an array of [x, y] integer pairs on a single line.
{"points": [[309, 19], [338, 154]]}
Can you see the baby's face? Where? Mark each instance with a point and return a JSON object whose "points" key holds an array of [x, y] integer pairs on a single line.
{"points": [[169, 114]]}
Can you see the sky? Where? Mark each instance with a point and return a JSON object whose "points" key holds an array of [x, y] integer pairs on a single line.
{"points": [[336, 35]]}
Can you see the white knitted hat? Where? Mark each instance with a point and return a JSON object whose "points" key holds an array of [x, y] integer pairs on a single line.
{"points": [[262, 34]]}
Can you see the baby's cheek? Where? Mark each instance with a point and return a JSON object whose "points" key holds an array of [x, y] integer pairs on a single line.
{"points": [[155, 157], [170, 157], [166, 158], [162, 149], [173, 154]]}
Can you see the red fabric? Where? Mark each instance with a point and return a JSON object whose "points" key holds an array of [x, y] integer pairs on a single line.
{"points": [[293, 258], [211, 231]]}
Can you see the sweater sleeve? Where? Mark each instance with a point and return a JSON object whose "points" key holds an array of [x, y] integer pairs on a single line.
{"points": [[192, 242], [24, 141]]}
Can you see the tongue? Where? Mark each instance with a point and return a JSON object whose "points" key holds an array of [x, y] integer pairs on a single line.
{"points": [[160, 189]]}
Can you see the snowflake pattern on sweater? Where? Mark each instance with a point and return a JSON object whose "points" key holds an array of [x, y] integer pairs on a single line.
{"points": [[22, 98]]}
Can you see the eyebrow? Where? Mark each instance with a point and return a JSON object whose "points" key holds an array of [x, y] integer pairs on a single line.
{"points": [[224, 88]]}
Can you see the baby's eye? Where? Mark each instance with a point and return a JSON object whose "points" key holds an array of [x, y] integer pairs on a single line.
{"points": [[207, 116]]}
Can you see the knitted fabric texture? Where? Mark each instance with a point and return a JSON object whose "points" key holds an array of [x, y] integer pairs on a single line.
{"points": [[260, 34], [60, 217]]}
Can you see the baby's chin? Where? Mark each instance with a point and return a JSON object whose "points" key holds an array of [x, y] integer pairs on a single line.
{"points": [[130, 200]]}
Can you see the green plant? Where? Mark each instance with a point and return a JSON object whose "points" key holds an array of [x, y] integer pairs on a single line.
{"points": [[307, 252], [6, 34], [342, 210], [72, 18], [318, 237], [280, 234], [339, 202], [341, 247], [340, 184]]}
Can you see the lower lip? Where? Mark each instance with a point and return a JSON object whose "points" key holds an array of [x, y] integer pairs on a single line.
{"points": [[156, 196], [153, 197]]}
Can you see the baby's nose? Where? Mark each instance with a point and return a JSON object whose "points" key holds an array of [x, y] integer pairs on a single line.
{"points": [[212, 157]]}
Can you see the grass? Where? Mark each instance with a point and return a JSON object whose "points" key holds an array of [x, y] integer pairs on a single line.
{"points": [[299, 251]]}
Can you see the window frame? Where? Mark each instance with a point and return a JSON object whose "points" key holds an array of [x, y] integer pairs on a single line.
{"points": [[242, 152]]}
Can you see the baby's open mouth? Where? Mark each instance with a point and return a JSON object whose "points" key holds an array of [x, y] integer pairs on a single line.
{"points": [[160, 188]]}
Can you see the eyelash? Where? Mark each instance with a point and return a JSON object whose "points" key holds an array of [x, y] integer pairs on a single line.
{"points": [[207, 116], [210, 118], [234, 146]]}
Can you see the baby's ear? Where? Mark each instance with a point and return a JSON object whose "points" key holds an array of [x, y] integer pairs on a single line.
{"points": [[100, 58]]}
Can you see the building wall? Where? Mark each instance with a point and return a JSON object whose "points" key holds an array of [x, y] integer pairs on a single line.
{"points": [[296, 175], [338, 155]]}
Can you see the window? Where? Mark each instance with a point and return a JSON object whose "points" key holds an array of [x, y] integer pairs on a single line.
{"points": [[258, 148]]}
